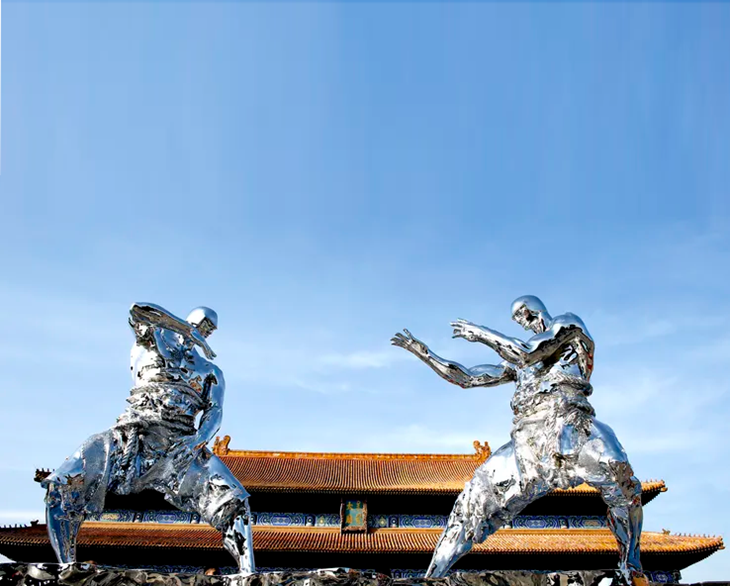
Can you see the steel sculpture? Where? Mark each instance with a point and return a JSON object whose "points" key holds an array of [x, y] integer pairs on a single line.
{"points": [[556, 442], [156, 444]]}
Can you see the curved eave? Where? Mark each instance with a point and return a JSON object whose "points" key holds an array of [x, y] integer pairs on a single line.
{"points": [[383, 541], [650, 490]]}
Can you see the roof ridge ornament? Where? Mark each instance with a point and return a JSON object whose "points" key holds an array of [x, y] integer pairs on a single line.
{"points": [[482, 451], [220, 446]]}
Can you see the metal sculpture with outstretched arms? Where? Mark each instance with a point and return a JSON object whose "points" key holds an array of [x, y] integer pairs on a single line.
{"points": [[556, 442], [156, 444]]}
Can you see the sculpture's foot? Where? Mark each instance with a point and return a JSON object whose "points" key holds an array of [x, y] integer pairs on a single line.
{"points": [[627, 577], [238, 540], [452, 546]]}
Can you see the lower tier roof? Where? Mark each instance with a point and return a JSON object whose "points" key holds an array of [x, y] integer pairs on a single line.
{"points": [[683, 550]]}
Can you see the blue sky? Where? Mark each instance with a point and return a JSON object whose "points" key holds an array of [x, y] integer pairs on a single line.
{"points": [[326, 174]]}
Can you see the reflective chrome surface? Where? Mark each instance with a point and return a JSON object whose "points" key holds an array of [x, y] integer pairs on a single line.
{"points": [[555, 442], [155, 443]]}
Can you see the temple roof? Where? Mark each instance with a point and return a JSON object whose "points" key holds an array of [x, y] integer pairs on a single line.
{"points": [[315, 472], [338, 473], [331, 540]]}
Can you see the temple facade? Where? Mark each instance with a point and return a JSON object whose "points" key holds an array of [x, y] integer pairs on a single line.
{"points": [[379, 512]]}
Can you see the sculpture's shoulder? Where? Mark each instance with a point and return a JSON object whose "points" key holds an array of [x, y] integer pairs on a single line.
{"points": [[570, 321]]}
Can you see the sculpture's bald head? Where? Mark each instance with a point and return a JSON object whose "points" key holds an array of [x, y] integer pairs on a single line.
{"points": [[530, 313], [205, 319]]}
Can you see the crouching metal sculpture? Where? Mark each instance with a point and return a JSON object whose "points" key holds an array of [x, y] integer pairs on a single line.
{"points": [[556, 442], [155, 443]]}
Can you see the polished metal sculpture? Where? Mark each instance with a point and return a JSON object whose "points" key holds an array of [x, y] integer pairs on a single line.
{"points": [[556, 441], [155, 443]]}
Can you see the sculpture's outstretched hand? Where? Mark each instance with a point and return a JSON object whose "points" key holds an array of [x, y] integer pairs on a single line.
{"points": [[465, 329], [407, 341]]}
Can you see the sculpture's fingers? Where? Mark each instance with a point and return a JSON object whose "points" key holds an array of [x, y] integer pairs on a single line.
{"points": [[408, 333]]}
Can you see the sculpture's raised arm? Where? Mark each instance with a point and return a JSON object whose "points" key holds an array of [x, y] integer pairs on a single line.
{"points": [[511, 349], [536, 349], [152, 315], [485, 375]]}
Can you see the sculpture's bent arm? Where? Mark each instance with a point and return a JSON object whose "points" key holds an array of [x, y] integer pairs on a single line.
{"points": [[153, 315], [537, 348], [485, 375], [149, 314], [565, 329]]}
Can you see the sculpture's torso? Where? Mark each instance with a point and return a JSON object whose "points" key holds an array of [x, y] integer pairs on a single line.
{"points": [[562, 380], [553, 416], [171, 382], [541, 387]]}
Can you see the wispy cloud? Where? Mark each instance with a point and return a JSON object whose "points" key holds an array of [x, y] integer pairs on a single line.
{"points": [[362, 359], [313, 367], [323, 387], [633, 390], [420, 438], [661, 414], [630, 327]]}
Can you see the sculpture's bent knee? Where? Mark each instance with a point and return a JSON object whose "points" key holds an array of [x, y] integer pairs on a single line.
{"points": [[77, 487]]}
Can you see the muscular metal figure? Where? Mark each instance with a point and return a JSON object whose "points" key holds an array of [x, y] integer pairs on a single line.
{"points": [[155, 444], [556, 442]]}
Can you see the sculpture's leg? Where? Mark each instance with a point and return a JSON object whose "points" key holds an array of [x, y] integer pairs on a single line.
{"points": [[625, 517], [605, 466], [210, 488], [490, 499], [76, 488], [63, 523], [238, 540], [453, 543]]}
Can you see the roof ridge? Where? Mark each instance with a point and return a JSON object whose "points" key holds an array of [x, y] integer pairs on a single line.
{"points": [[349, 455], [220, 447]]}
